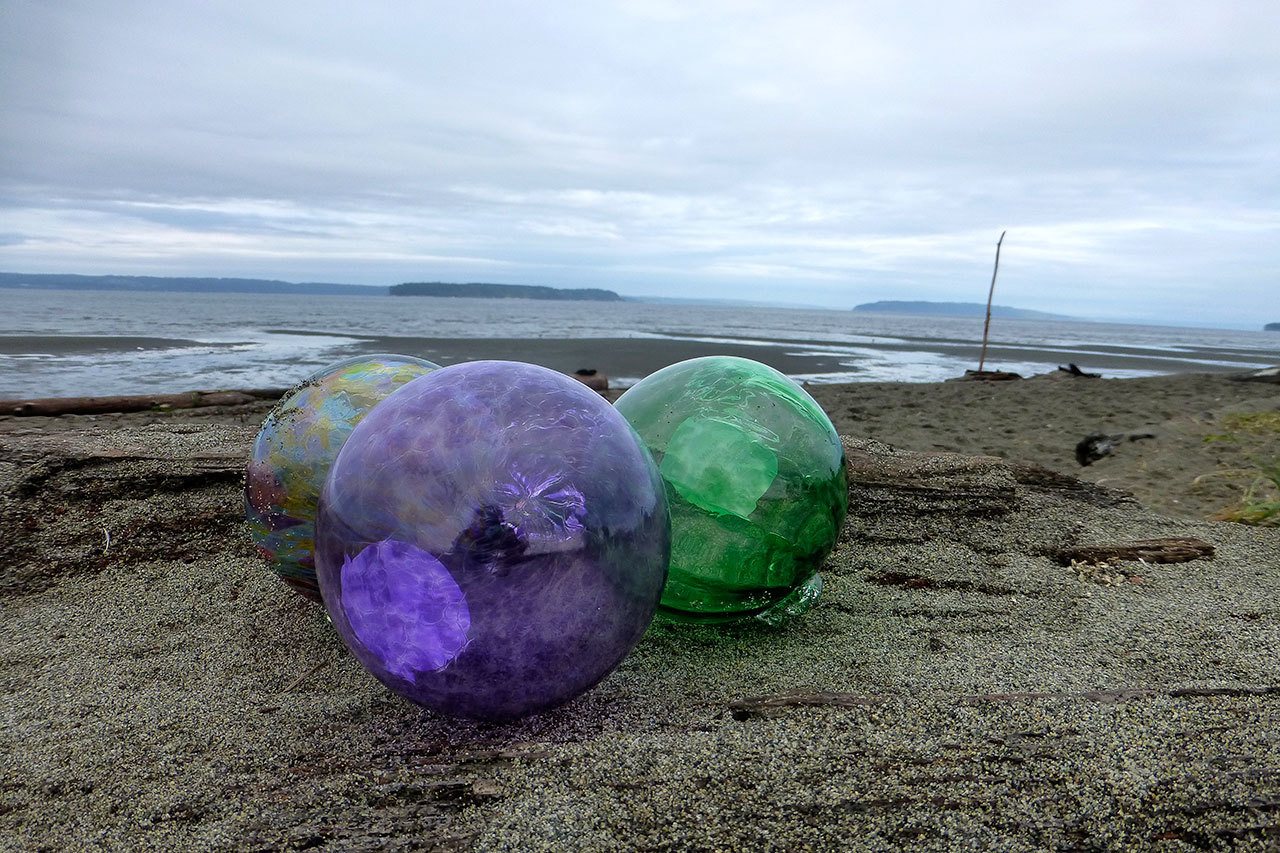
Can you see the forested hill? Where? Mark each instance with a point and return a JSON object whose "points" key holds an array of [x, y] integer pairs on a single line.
{"points": [[169, 284], [61, 281], [956, 309], [501, 291]]}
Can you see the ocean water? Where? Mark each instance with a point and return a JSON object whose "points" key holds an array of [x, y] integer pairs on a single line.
{"points": [[70, 343]]}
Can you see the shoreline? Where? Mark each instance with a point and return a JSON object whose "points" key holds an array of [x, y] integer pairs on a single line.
{"points": [[635, 358], [52, 365]]}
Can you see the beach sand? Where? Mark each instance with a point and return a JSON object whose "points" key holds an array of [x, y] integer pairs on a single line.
{"points": [[634, 357], [1200, 459], [954, 686]]}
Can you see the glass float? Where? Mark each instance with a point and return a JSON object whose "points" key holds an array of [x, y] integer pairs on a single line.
{"points": [[493, 540], [296, 447], [756, 481]]}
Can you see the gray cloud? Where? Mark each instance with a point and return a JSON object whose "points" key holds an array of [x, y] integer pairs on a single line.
{"points": [[813, 152]]}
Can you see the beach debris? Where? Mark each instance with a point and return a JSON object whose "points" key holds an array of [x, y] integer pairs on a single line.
{"points": [[1266, 374], [303, 676], [982, 374], [1097, 445], [986, 325], [1172, 549], [987, 376], [592, 378], [1073, 370], [57, 406]]}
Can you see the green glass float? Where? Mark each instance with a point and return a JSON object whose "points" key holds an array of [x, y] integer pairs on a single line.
{"points": [[755, 478], [295, 449]]}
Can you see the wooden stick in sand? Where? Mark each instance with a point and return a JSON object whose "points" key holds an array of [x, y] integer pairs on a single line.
{"points": [[986, 326]]}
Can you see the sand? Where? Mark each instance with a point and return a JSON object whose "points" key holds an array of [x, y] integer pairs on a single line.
{"points": [[955, 686], [1198, 461]]}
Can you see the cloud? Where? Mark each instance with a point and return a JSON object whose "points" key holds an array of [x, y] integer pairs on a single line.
{"points": [[825, 152]]}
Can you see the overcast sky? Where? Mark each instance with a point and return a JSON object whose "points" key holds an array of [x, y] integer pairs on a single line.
{"points": [[818, 153]]}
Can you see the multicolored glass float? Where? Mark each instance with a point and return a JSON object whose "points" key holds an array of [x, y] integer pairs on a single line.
{"points": [[756, 481], [297, 445], [492, 540]]}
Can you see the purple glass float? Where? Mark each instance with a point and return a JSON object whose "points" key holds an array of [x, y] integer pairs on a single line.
{"points": [[296, 447], [492, 540]]}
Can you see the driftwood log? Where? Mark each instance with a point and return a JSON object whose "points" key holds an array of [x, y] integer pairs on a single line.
{"points": [[1267, 374], [955, 686], [58, 406], [593, 379], [987, 376], [1173, 549], [1075, 371]]}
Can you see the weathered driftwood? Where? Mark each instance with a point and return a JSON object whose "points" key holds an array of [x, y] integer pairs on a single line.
{"points": [[987, 376], [1174, 549], [56, 406], [986, 325], [593, 379], [1074, 370], [1267, 374]]}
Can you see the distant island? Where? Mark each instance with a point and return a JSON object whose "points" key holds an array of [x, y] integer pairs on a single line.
{"points": [[956, 309], [1271, 327], [180, 284], [480, 290], [168, 284]]}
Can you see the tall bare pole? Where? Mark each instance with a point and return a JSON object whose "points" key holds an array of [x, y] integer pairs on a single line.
{"points": [[986, 326]]}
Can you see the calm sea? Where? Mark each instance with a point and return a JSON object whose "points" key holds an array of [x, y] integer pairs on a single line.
{"points": [[64, 343]]}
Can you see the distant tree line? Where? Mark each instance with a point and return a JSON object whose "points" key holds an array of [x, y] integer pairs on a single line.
{"points": [[179, 284], [481, 290], [173, 284]]}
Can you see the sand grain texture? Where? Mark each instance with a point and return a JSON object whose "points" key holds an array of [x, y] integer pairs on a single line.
{"points": [[955, 685]]}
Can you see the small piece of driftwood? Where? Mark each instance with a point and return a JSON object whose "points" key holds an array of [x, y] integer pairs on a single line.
{"points": [[55, 406], [990, 375], [1174, 549], [1267, 374], [1073, 370], [593, 379]]}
